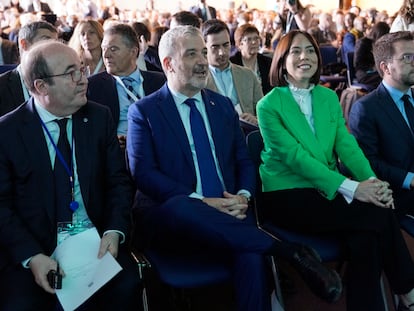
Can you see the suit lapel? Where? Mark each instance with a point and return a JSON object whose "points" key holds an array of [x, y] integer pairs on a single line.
{"points": [[299, 127], [82, 133], [387, 104], [37, 151], [169, 111]]}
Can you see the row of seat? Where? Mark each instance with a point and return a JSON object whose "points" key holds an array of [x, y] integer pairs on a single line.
{"points": [[184, 271]]}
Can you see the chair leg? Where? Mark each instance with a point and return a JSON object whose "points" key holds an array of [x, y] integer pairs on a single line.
{"points": [[278, 289], [142, 264]]}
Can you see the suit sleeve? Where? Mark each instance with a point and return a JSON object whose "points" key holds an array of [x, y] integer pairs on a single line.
{"points": [[143, 161], [363, 125]]}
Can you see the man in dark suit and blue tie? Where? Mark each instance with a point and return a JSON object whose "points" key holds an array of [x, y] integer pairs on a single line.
{"points": [[383, 120], [34, 197], [188, 158], [120, 49]]}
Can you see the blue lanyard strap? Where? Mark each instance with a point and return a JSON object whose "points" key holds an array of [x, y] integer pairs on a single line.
{"points": [[62, 160]]}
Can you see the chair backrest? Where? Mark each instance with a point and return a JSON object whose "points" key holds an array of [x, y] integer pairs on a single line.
{"points": [[328, 54], [350, 68], [7, 67]]}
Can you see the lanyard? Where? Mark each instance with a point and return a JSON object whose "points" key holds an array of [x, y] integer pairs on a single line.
{"points": [[69, 170], [131, 95]]}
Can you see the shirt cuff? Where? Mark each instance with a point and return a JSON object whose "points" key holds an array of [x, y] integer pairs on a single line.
{"points": [[195, 195], [407, 181], [119, 232], [245, 193], [25, 263], [347, 189]]}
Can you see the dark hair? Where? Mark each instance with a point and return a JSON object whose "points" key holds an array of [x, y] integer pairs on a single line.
{"points": [[378, 30], [29, 31], [184, 18], [141, 30], [157, 32], [243, 30], [126, 32], [277, 74], [384, 47], [213, 26]]}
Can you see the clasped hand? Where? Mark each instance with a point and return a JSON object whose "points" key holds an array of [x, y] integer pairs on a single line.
{"points": [[375, 191], [232, 204]]}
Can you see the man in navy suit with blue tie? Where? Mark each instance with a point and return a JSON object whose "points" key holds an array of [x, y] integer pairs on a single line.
{"points": [[189, 160], [383, 120]]}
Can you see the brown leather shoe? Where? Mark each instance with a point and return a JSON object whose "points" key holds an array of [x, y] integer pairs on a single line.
{"points": [[323, 282]]}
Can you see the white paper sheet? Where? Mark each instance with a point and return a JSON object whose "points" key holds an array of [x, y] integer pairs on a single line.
{"points": [[84, 272]]}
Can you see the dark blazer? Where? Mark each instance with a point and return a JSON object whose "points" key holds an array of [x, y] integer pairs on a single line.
{"points": [[197, 11], [44, 7], [11, 91], [263, 63], [102, 89], [27, 212], [364, 63], [152, 59], [159, 152], [9, 52], [383, 135]]}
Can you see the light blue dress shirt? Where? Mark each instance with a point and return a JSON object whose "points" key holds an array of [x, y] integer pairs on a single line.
{"points": [[124, 101], [224, 83]]}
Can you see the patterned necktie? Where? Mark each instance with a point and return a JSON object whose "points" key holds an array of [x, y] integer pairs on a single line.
{"points": [[63, 190], [409, 110], [128, 82], [210, 182]]}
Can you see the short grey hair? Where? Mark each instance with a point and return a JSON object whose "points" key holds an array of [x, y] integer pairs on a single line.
{"points": [[169, 40]]}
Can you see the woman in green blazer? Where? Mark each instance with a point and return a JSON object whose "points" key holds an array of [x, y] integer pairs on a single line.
{"points": [[304, 134]]}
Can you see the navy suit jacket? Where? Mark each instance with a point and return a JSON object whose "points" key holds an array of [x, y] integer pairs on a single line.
{"points": [[159, 152], [102, 89], [11, 91], [383, 135], [27, 210]]}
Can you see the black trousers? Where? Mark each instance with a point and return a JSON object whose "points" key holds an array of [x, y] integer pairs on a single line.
{"points": [[370, 235]]}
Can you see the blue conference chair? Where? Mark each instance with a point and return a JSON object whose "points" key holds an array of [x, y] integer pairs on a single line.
{"points": [[351, 78], [330, 61], [179, 271], [329, 249]]}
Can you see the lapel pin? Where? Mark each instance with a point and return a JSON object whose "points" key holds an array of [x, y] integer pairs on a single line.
{"points": [[212, 103], [85, 120]]}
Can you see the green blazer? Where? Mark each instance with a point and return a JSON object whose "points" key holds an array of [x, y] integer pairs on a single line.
{"points": [[295, 157]]}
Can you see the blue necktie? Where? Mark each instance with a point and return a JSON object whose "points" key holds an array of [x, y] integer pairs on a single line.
{"points": [[63, 190], [210, 182], [128, 82], [409, 110]]}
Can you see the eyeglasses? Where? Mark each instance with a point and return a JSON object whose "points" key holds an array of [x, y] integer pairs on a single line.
{"points": [[76, 75], [251, 39], [406, 58]]}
